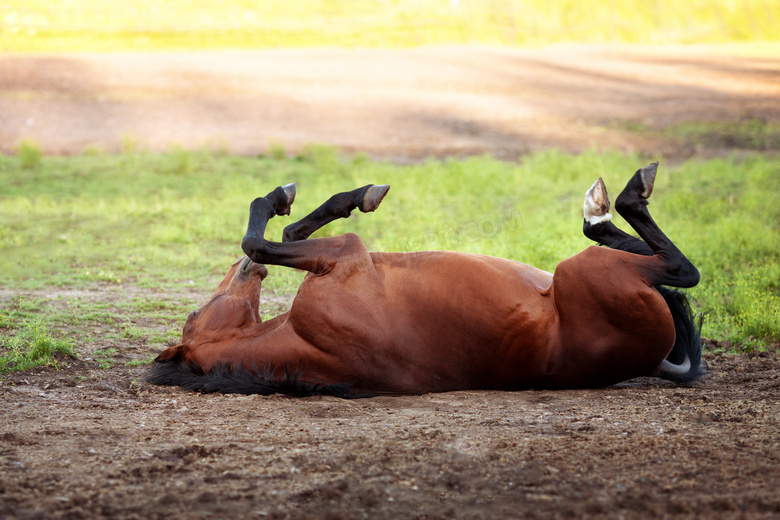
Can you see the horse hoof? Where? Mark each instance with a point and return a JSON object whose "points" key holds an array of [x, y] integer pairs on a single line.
{"points": [[638, 189], [282, 198], [596, 207], [373, 197], [289, 190], [647, 176]]}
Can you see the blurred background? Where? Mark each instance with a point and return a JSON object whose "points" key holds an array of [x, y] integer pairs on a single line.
{"points": [[107, 25], [396, 79]]}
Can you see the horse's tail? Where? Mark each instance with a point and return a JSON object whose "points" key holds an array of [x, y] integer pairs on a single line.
{"points": [[683, 364]]}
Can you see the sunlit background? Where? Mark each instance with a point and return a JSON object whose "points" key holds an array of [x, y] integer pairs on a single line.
{"points": [[106, 25]]}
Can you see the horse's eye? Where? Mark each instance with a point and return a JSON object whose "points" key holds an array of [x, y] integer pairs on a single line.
{"points": [[193, 314]]}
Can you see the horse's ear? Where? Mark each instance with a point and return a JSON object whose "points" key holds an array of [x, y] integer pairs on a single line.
{"points": [[170, 354]]}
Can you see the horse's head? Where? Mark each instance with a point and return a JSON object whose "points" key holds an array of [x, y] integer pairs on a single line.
{"points": [[233, 306]]}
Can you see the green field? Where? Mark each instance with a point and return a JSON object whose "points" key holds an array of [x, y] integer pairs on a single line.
{"points": [[174, 222], [105, 25]]}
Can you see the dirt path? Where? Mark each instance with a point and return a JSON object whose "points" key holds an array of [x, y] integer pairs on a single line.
{"points": [[399, 104]]}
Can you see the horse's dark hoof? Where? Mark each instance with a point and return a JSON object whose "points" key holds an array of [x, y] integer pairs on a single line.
{"points": [[282, 198], [373, 197], [647, 177], [638, 189], [641, 184], [596, 207], [289, 191]]}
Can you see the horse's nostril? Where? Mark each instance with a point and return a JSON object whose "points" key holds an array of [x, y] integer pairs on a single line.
{"points": [[250, 268]]}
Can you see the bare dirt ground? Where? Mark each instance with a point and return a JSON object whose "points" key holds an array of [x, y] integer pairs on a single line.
{"points": [[398, 104], [109, 446], [91, 442]]}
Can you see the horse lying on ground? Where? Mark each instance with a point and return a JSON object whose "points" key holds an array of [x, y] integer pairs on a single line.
{"points": [[368, 323]]}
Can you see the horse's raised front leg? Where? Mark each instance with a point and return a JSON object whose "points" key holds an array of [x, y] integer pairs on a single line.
{"points": [[316, 255], [366, 199], [672, 268]]}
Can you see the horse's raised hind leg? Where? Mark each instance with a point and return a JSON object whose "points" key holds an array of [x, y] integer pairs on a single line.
{"points": [[674, 268], [366, 199], [598, 225], [316, 255]]}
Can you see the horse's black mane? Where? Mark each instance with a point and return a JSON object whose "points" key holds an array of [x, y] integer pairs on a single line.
{"points": [[227, 380], [687, 327]]}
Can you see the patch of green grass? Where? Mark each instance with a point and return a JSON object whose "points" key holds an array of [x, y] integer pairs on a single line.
{"points": [[750, 134], [149, 335], [130, 143], [19, 311], [5, 321], [91, 317], [276, 151], [133, 333], [157, 307], [142, 221], [92, 321], [138, 362], [32, 346], [93, 150], [105, 358], [29, 154], [182, 161], [102, 25]]}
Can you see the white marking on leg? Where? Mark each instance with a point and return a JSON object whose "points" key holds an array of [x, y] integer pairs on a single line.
{"points": [[596, 207], [595, 219], [667, 367]]}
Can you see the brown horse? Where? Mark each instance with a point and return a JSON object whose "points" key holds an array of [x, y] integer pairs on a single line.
{"points": [[367, 323]]}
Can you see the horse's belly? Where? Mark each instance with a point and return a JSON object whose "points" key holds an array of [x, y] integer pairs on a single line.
{"points": [[429, 321]]}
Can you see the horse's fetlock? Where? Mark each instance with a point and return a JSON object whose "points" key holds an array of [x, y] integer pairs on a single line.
{"points": [[690, 275], [629, 204]]}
